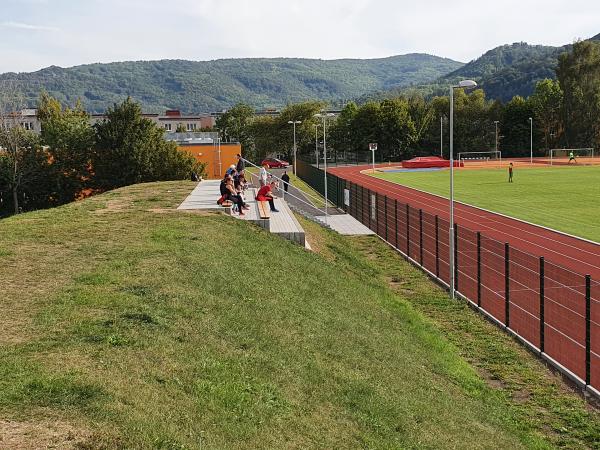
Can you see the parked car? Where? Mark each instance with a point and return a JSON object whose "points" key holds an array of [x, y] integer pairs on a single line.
{"points": [[275, 163]]}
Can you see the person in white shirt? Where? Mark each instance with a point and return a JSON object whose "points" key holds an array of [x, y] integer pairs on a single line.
{"points": [[262, 175]]}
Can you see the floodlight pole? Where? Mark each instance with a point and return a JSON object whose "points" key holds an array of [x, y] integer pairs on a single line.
{"points": [[496, 147], [531, 140], [373, 159], [451, 234], [294, 122], [441, 136], [325, 116], [317, 143], [462, 84]]}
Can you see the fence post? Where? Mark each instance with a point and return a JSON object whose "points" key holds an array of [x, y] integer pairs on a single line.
{"points": [[362, 204], [407, 230], [479, 269], [506, 285], [385, 219], [396, 220], [376, 213], [437, 247], [421, 237], [455, 257], [542, 306], [369, 212], [588, 320]]}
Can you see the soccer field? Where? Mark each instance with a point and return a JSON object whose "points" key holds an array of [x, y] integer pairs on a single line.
{"points": [[562, 198]]}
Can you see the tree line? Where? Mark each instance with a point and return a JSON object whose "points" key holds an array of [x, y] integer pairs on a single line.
{"points": [[72, 159], [565, 113]]}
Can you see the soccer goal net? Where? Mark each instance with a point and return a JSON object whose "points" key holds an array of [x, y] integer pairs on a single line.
{"points": [[565, 154], [480, 156]]}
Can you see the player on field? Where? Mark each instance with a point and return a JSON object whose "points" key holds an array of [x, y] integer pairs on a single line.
{"points": [[510, 172], [572, 157]]}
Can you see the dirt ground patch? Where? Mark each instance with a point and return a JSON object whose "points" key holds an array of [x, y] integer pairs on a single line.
{"points": [[40, 435]]}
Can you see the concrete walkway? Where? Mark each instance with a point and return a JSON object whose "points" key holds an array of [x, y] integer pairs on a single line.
{"points": [[345, 224], [204, 197]]}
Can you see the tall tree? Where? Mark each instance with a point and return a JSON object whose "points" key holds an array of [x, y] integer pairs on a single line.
{"points": [[132, 149], [234, 125], [22, 159], [578, 73], [69, 138], [546, 103]]}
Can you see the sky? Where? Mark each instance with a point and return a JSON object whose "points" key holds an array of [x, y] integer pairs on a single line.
{"points": [[40, 33]]}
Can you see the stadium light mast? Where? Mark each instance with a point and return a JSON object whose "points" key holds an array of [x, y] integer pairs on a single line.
{"points": [[441, 136], [325, 116], [465, 84], [316, 125], [294, 123], [531, 140], [496, 122]]}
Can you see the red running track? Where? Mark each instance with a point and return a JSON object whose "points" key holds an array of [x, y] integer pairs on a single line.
{"points": [[575, 254]]}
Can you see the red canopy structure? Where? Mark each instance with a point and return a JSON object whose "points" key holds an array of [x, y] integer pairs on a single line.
{"points": [[425, 162]]}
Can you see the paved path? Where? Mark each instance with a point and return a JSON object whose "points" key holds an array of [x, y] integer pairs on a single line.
{"points": [[346, 224], [204, 197]]}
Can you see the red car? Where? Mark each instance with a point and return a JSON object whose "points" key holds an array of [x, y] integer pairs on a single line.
{"points": [[274, 163]]}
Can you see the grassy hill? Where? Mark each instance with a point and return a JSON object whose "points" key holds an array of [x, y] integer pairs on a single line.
{"points": [[128, 324], [202, 86]]}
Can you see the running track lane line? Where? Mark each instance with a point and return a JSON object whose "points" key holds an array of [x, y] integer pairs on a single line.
{"points": [[581, 257]]}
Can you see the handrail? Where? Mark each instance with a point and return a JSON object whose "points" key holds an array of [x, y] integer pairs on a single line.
{"points": [[281, 187]]}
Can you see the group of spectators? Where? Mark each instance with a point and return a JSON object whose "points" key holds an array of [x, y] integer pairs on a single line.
{"points": [[234, 184]]}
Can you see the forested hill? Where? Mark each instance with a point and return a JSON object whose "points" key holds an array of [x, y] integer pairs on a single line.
{"points": [[214, 85], [510, 70], [502, 72]]}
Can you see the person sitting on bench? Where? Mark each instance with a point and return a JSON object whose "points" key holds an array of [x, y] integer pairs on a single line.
{"points": [[233, 197], [265, 194]]}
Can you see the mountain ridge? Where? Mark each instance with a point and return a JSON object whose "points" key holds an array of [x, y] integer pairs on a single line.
{"points": [[214, 85]]}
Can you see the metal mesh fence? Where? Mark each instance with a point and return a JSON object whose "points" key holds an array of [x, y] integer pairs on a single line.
{"points": [[552, 308]]}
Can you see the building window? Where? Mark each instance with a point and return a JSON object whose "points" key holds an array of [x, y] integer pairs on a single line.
{"points": [[191, 126], [168, 126]]}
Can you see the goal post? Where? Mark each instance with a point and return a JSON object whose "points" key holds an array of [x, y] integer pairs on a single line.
{"points": [[558, 154], [495, 155]]}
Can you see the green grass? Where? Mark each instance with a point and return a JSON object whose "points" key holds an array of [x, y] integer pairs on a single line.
{"points": [[125, 319], [562, 198]]}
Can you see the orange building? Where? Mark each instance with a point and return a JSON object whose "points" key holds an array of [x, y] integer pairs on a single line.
{"points": [[217, 157]]}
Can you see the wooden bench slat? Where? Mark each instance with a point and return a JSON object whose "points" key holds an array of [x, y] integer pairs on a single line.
{"points": [[263, 210]]}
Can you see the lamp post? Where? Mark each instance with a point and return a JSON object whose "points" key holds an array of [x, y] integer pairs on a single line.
{"points": [[325, 116], [294, 122], [496, 122], [317, 143], [465, 84], [441, 136], [531, 141], [373, 148]]}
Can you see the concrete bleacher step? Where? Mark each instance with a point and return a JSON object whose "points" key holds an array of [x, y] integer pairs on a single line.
{"points": [[283, 223]]}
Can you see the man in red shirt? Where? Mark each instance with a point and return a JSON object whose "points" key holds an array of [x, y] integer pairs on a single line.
{"points": [[265, 194]]}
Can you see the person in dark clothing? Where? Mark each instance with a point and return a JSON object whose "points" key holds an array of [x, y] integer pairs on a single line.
{"points": [[233, 197], [241, 165], [510, 173], [286, 180]]}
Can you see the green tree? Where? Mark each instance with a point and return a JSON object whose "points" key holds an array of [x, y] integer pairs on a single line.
{"points": [[546, 103], [69, 138], [516, 128], [233, 125], [578, 74], [132, 149]]}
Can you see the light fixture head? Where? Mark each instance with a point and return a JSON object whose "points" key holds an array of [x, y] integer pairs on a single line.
{"points": [[467, 84]]}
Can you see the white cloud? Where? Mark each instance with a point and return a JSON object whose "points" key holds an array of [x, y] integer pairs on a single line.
{"points": [[27, 26]]}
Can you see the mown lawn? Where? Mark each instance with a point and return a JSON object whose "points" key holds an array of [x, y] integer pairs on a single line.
{"points": [[560, 197], [127, 324]]}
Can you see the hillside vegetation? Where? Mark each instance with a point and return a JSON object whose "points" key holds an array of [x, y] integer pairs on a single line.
{"points": [[203, 86], [127, 324]]}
